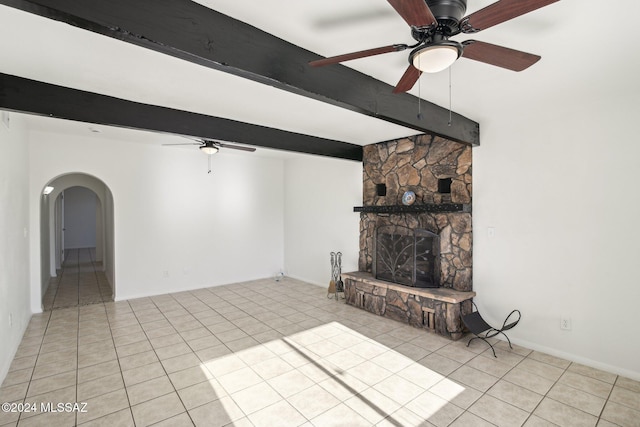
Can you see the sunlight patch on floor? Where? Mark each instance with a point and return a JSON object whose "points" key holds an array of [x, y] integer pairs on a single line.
{"points": [[328, 375]]}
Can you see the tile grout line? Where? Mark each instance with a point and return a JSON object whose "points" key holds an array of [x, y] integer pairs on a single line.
{"points": [[465, 410], [607, 401], [58, 286], [546, 395], [199, 321], [283, 398], [126, 392], [78, 276], [223, 343], [160, 362], [95, 275], [511, 369], [34, 365], [77, 361], [194, 352], [547, 392]]}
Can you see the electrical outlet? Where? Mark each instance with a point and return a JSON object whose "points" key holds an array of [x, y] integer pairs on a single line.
{"points": [[491, 232], [565, 323], [165, 274]]}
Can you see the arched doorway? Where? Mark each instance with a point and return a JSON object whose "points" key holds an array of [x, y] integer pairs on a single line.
{"points": [[77, 236]]}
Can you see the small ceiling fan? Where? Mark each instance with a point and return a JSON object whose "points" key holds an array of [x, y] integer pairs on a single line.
{"points": [[433, 22], [210, 147]]}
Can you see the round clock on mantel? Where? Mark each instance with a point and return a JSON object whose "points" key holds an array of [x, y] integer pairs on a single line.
{"points": [[408, 198]]}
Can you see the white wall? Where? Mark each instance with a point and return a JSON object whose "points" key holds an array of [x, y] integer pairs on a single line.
{"points": [[14, 248], [47, 260], [56, 254], [79, 218], [559, 185], [176, 227], [320, 194], [108, 260]]}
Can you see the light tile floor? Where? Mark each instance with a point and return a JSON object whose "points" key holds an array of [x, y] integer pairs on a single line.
{"points": [[268, 353], [79, 282]]}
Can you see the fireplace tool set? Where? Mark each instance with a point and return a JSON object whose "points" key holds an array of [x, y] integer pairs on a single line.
{"points": [[336, 286]]}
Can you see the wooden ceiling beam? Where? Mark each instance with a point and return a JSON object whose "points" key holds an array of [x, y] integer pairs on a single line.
{"points": [[192, 32], [44, 99]]}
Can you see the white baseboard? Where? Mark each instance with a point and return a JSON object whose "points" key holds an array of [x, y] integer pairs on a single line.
{"points": [[634, 375]]}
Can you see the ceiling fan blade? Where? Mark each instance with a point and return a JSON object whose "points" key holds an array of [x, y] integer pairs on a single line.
{"points": [[415, 12], [236, 147], [409, 78], [356, 55], [498, 55], [498, 12], [185, 143]]}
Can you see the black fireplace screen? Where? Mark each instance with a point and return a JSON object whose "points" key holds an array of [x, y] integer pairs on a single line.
{"points": [[407, 256]]}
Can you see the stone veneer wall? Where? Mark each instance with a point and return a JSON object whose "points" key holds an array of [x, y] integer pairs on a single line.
{"points": [[416, 164]]}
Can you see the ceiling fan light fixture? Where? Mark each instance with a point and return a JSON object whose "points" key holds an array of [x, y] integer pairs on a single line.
{"points": [[436, 57], [209, 149]]}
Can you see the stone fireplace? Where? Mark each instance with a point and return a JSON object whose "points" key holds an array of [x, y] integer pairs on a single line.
{"points": [[423, 248]]}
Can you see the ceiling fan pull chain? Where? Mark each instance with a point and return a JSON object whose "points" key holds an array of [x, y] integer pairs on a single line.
{"points": [[419, 95], [449, 124], [209, 159], [419, 100]]}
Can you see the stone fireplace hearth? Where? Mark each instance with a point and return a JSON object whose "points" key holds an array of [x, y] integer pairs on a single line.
{"points": [[438, 171]]}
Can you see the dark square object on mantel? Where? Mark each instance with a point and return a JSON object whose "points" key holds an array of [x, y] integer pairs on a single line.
{"points": [[444, 186]]}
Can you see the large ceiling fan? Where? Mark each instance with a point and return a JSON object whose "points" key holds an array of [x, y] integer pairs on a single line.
{"points": [[433, 22]]}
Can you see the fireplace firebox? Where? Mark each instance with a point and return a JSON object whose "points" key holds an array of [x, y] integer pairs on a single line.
{"points": [[407, 256]]}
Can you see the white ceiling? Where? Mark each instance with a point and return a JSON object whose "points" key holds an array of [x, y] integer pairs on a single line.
{"points": [[562, 33]]}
